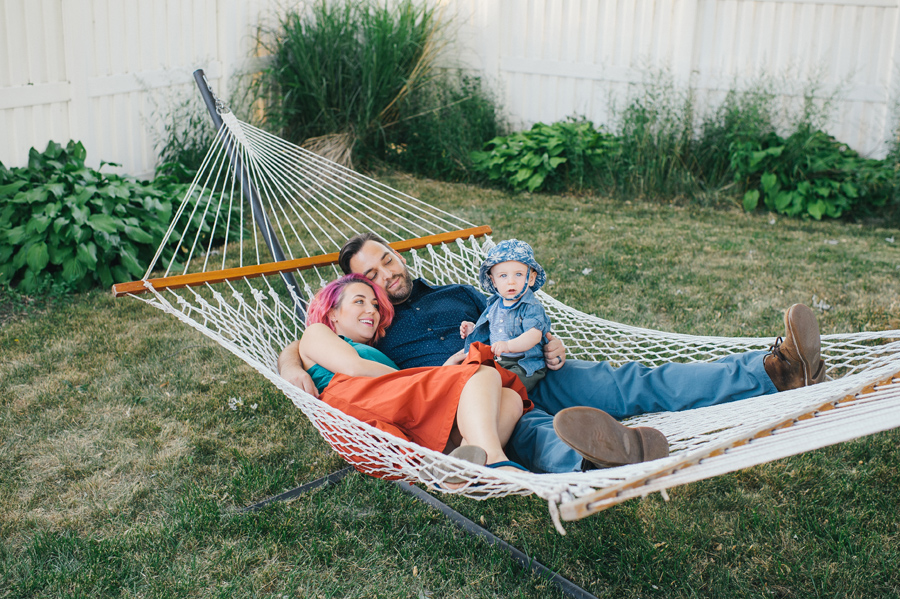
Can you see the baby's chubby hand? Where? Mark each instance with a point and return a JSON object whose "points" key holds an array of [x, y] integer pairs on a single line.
{"points": [[499, 348], [466, 328]]}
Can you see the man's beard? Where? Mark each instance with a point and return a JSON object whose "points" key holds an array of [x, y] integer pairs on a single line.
{"points": [[402, 293]]}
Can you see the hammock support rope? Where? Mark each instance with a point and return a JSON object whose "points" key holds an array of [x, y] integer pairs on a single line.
{"points": [[215, 279]]}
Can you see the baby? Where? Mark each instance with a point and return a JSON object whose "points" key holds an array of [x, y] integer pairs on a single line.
{"points": [[514, 322]]}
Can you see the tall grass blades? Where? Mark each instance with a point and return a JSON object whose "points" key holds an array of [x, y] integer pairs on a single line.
{"points": [[657, 132], [341, 71], [448, 120]]}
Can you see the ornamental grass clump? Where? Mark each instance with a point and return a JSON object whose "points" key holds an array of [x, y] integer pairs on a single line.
{"points": [[341, 71]]}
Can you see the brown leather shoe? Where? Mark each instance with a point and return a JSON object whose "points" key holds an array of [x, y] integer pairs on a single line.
{"points": [[605, 442], [795, 361]]}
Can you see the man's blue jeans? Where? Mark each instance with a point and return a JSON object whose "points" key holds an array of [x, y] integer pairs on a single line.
{"points": [[628, 390]]}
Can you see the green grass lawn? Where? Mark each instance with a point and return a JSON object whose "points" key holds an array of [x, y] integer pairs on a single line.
{"points": [[128, 441]]}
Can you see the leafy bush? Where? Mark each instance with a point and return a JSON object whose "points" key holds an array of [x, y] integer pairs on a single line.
{"points": [[809, 174], [448, 120], [341, 70], [62, 223], [554, 156]]}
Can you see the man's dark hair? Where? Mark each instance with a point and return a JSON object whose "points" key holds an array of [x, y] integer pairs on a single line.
{"points": [[352, 247]]}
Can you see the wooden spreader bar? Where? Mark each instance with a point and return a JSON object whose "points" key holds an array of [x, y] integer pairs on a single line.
{"points": [[274, 268]]}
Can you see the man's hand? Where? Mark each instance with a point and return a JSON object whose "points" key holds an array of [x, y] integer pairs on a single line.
{"points": [[554, 353], [466, 328], [500, 347], [291, 369], [301, 379], [456, 359]]}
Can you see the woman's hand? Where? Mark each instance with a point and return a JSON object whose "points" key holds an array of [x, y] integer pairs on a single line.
{"points": [[554, 353], [456, 359]]}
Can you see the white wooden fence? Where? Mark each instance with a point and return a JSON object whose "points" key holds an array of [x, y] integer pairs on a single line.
{"points": [[99, 70], [94, 70], [554, 58]]}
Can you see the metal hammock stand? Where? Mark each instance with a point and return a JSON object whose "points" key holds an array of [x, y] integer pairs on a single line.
{"points": [[211, 273]]}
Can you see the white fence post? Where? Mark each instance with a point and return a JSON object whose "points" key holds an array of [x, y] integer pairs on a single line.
{"points": [[77, 35]]}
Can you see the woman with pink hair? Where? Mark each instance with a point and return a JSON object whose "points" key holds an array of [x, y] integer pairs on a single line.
{"points": [[475, 404]]}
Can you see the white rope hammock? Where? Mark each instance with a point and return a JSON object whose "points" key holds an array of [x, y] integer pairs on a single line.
{"points": [[223, 282]]}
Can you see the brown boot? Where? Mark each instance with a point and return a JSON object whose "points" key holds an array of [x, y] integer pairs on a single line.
{"points": [[794, 361], [605, 442]]}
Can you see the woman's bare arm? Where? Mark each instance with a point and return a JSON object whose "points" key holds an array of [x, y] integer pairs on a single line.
{"points": [[320, 345]]}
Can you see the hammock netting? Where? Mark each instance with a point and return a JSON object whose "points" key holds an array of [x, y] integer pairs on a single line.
{"points": [[214, 272]]}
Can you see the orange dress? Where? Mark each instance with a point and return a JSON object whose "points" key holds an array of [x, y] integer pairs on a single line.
{"points": [[417, 404]]}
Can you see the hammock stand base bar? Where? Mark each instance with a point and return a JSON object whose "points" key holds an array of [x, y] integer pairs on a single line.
{"points": [[564, 584]]}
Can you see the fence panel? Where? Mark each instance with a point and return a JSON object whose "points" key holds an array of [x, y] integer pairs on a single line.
{"points": [[102, 71], [559, 58]]}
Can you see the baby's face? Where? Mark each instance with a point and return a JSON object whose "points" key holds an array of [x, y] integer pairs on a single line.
{"points": [[511, 277]]}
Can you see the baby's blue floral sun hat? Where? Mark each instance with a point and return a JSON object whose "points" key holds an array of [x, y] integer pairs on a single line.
{"points": [[511, 249]]}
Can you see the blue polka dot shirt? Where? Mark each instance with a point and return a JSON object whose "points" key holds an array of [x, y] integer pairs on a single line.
{"points": [[425, 330]]}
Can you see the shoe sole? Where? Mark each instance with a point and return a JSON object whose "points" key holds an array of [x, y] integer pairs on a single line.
{"points": [[801, 318], [603, 440]]}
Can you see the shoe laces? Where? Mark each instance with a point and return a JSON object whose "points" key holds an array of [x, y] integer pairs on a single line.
{"points": [[775, 349]]}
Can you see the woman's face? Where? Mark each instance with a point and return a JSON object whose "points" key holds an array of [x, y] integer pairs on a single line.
{"points": [[356, 315]]}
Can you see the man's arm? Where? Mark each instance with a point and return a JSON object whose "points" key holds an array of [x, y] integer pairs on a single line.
{"points": [[291, 369], [554, 353]]}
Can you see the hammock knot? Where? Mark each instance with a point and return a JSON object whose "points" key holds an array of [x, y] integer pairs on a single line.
{"points": [[258, 295]]}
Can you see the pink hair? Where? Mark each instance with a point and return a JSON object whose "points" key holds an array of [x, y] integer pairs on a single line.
{"points": [[331, 295]]}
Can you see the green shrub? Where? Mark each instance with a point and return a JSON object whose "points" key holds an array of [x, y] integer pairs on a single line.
{"points": [[810, 174], [187, 135], [341, 70], [557, 156], [448, 120], [656, 135], [743, 116], [65, 224]]}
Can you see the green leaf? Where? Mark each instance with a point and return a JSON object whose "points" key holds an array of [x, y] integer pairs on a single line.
{"points": [[73, 270], [138, 235], [7, 272], [31, 282], [87, 255], [783, 199], [16, 235], [535, 181], [129, 262], [11, 189], [849, 190], [768, 182], [38, 224], [816, 209], [59, 254], [37, 256], [555, 162], [80, 214], [57, 189], [105, 276], [751, 200], [103, 222]]}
